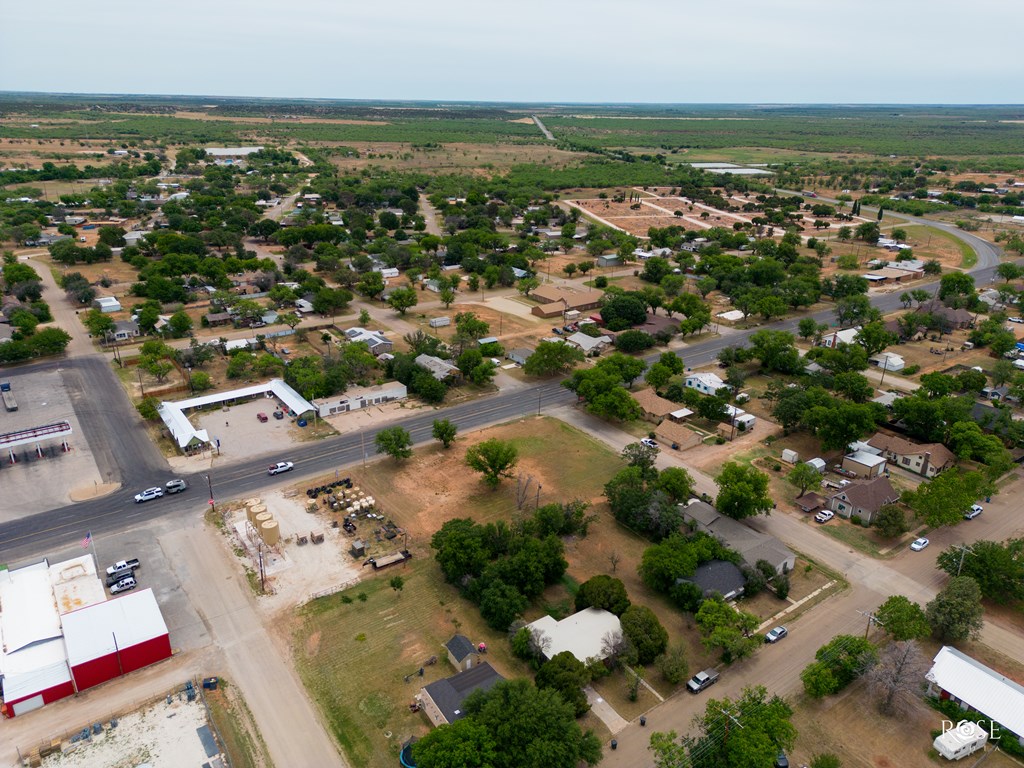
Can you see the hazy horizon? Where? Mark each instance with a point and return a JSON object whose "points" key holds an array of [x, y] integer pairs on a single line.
{"points": [[792, 52]]}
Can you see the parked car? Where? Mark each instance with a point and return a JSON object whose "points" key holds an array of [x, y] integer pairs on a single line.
{"points": [[148, 495], [1016, 319], [782, 761], [919, 544], [121, 575], [281, 466], [774, 635], [278, 415], [175, 486], [557, 331], [824, 516], [973, 512], [124, 585], [262, 418], [649, 443]]}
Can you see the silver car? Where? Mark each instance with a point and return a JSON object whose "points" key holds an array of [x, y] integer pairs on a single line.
{"points": [[148, 495]]}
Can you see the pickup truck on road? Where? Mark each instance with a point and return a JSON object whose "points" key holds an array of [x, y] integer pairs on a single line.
{"points": [[121, 565], [702, 680]]}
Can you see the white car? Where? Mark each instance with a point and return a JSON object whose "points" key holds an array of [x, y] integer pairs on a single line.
{"points": [[973, 512], [919, 544], [649, 443], [281, 466], [824, 516], [774, 635], [1016, 319], [148, 495]]}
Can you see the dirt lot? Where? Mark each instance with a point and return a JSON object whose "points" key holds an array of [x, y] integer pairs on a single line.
{"points": [[480, 159]]}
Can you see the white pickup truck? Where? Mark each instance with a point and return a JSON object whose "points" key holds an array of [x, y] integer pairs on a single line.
{"points": [[124, 565]]}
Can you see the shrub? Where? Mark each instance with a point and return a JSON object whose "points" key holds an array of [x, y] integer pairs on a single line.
{"points": [[855, 519], [781, 583], [910, 370], [601, 282], [826, 760]]}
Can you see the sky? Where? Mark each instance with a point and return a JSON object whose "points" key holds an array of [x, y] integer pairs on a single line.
{"points": [[560, 51]]}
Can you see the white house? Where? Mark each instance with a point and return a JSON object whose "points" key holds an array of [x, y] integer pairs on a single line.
{"points": [[706, 383], [387, 272], [956, 676], [835, 338], [888, 361], [590, 345], [741, 419], [582, 634]]}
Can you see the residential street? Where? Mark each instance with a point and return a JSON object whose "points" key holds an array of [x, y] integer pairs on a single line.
{"points": [[872, 581]]}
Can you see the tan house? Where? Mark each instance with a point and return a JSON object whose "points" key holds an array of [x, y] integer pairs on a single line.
{"points": [[653, 407], [864, 463], [461, 652], [673, 433], [554, 300], [864, 498], [926, 459]]}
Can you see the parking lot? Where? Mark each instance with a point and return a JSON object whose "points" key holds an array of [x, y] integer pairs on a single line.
{"points": [[242, 435], [33, 483]]}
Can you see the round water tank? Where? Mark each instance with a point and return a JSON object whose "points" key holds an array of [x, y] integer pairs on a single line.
{"points": [[261, 518], [253, 501], [254, 510], [271, 532]]}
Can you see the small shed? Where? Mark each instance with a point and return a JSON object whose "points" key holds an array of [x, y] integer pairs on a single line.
{"points": [[440, 322], [790, 456], [461, 652], [358, 548], [818, 463], [107, 304]]}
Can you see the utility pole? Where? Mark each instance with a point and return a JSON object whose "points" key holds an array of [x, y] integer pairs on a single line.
{"points": [[964, 551], [539, 486], [209, 484], [872, 619], [731, 718]]}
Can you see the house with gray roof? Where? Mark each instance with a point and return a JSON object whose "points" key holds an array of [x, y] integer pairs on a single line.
{"points": [[717, 576], [864, 498], [738, 536], [439, 369], [442, 701], [461, 652]]}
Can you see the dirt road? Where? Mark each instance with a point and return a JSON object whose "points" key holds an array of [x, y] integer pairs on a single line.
{"points": [[288, 722]]}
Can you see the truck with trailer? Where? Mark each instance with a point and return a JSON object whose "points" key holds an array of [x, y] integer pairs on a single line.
{"points": [[9, 402]]}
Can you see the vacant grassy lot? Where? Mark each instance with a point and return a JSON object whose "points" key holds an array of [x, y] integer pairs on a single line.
{"points": [[236, 727], [354, 656]]}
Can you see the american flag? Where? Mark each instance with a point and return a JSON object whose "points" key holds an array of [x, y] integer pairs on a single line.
{"points": [[87, 540]]}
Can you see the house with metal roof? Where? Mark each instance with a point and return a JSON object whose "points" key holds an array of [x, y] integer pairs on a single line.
{"points": [[582, 634], [957, 677]]}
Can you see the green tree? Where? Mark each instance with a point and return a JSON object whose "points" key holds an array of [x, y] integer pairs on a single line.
{"points": [[943, 500], [459, 549], [729, 630], [676, 483], [444, 431], [838, 663], [766, 728], [180, 324], [544, 732], [742, 491], [395, 442], [371, 285], [874, 338], [462, 744], [903, 619], [641, 627], [605, 592], [997, 567], [501, 604], [397, 583], [953, 285], [551, 357], [567, 675], [803, 476], [807, 327], [672, 664], [956, 612], [403, 299], [890, 521], [494, 459], [776, 351], [98, 323]]}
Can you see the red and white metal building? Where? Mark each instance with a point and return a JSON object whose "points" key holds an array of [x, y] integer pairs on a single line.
{"points": [[60, 635], [114, 638]]}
